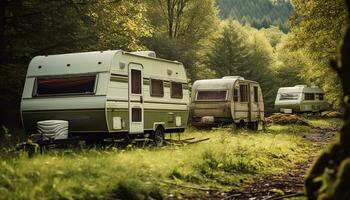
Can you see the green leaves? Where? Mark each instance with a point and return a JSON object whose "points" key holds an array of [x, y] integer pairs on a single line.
{"points": [[318, 28], [39, 27], [257, 13], [244, 51], [182, 30]]}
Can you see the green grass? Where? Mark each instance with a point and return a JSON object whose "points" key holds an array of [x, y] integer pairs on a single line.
{"points": [[223, 162], [325, 122]]}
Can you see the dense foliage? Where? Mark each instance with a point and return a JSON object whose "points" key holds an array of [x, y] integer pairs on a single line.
{"points": [[243, 51], [189, 31], [258, 13], [37, 27], [182, 29], [330, 175], [318, 29]]}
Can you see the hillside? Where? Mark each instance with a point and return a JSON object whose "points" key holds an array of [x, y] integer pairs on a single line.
{"points": [[258, 13]]}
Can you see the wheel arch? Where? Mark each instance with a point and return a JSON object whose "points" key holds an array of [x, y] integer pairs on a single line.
{"points": [[157, 125]]}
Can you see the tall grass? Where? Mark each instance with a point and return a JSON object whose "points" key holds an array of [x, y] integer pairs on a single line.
{"points": [[224, 161]]}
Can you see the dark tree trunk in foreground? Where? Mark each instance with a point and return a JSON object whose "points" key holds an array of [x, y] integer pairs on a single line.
{"points": [[2, 28], [331, 172]]}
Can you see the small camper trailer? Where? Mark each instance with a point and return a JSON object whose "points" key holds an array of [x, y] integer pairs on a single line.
{"points": [[230, 100], [300, 98], [106, 94]]}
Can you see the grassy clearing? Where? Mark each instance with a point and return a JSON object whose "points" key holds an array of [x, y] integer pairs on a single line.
{"points": [[226, 160]]}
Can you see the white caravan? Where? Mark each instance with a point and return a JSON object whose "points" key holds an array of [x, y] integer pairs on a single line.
{"points": [[107, 94], [230, 100], [300, 98]]}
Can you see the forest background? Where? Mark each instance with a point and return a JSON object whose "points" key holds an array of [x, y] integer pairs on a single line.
{"points": [[275, 42]]}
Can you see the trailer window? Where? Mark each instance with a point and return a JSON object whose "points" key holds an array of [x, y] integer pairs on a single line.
{"points": [[176, 90], [243, 90], [256, 94], [157, 88], [135, 81], [84, 84], [289, 96], [235, 95], [309, 96], [321, 96], [211, 95], [136, 115]]}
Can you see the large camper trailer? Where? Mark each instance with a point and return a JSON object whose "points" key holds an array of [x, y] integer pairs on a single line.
{"points": [[300, 98], [230, 100], [107, 94]]}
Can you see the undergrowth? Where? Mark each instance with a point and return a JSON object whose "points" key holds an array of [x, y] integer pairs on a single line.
{"points": [[226, 160]]}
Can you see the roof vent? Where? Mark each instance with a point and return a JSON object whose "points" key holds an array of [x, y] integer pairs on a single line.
{"points": [[233, 77], [300, 86], [145, 53]]}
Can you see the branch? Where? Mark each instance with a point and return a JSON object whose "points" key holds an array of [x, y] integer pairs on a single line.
{"points": [[162, 7], [180, 7], [170, 17]]}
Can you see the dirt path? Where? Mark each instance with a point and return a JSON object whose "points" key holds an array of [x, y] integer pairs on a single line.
{"points": [[274, 187], [291, 183]]}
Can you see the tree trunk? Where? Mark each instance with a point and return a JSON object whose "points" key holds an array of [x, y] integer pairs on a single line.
{"points": [[170, 9], [2, 29]]}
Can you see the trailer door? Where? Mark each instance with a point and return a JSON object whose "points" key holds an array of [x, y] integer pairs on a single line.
{"points": [[254, 102], [136, 116], [242, 107]]}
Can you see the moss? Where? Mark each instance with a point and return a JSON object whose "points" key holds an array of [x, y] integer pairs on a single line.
{"points": [[341, 185]]}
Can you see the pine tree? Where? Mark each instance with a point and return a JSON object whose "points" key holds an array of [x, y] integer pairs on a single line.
{"points": [[262, 11]]}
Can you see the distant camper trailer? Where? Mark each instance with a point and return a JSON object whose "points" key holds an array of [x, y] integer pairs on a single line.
{"points": [[107, 94], [230, 100], [300, 98]]}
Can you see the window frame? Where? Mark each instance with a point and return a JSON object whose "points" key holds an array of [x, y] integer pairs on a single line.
{"points": [[289, 96], [321, 95], [256, 94], [35, 86], [140, 114], [141, 82], [309, 93], [226, 95], [247, 93], [171, 90], [151, 87], [235, 95]]}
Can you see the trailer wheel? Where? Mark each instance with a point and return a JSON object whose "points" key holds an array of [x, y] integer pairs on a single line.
{"points": [[253, 126], [158, 137], [241, 124]]}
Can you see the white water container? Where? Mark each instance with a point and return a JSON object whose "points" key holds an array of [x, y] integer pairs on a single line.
{"points": [[53, 129]]}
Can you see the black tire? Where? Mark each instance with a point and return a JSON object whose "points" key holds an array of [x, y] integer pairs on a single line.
{"points": [[241, 124], [253, 126], [158, 137]]}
